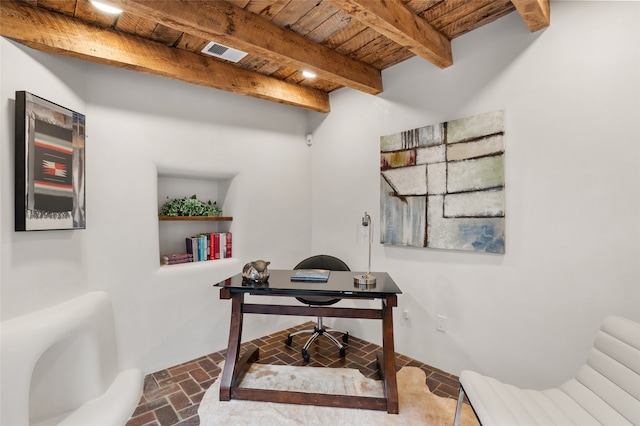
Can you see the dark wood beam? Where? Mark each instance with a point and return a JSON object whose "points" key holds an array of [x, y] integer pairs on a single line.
{"points": [[392, 19], [535, 13], [232, 26], [59, 34]]}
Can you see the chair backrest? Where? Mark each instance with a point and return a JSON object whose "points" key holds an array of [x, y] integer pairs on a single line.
{"points": [[321, 261], [612, 370]]}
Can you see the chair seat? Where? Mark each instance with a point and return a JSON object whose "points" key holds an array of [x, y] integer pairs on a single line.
{"points": [[318, 300]]}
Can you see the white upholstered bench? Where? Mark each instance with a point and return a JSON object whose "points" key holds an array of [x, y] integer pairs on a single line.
{"points": [[605, 391]]}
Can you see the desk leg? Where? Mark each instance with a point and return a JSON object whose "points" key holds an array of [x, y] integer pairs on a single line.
{"points": [[387, 363], [233, 349]]}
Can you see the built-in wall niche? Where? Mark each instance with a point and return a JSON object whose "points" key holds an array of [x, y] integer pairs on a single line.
{"points": [[172, 234]]}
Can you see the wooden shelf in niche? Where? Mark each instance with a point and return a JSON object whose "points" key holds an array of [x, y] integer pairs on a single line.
{"points": [[173, 230], [195, 218]]}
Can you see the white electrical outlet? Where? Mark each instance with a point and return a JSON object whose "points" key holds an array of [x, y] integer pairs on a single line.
{"points": [[441, 323]]}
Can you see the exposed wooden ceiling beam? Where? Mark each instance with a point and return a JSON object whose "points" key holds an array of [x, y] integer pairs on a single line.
{"points": [[535, 13], [392, 19], [232, 26], [56, 33]]}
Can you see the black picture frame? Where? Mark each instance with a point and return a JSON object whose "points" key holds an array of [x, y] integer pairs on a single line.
{"points": [[49, 165]]}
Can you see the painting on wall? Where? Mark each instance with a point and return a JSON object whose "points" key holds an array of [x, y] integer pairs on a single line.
{"points": [[442, 185], [50, 170]]}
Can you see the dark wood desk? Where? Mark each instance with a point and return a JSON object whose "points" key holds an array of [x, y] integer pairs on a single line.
{"points": [[340, 285]]}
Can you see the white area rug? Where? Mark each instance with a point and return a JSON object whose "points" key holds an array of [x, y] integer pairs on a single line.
{"points": [[418, 406]]}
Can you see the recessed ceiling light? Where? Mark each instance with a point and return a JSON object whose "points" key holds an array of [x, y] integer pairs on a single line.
{"points": [[308, 74], [106, 8]]}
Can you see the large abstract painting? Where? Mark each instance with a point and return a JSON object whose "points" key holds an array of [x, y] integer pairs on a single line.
{"points": [[442, 185], [49, 185]]}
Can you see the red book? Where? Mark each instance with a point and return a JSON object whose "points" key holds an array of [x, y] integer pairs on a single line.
{"points": [[216, 246], [228, 244]]}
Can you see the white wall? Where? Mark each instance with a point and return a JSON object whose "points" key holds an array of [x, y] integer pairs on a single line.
{"points": [[571, 96], [139, 123], [135, 125], [38, 269]]}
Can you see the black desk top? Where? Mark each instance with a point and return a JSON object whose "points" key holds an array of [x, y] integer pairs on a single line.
{"points": [[340, 284]]}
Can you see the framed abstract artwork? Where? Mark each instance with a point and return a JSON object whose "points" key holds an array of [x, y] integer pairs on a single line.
{"points": [[49, 165], [442, 185]]}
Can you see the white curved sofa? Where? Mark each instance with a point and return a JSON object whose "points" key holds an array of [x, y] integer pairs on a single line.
{"points": [[605, 391], [60, 367]]}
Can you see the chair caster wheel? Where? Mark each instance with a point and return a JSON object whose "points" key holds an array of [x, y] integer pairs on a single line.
{"points": [[345, 337], [305, 355], [342, 353], [288, 340]]}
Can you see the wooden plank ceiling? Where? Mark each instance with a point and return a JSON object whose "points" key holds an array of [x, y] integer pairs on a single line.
{"points": [[346, 43]]}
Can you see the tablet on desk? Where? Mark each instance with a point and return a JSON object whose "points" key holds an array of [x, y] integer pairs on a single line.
{"points": [[312, 275]]}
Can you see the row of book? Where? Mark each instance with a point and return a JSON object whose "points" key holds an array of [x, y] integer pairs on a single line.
{"points": [[201, 247]]}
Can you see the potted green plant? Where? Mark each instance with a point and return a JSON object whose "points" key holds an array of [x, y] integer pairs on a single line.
{"points": [[190, 206]]}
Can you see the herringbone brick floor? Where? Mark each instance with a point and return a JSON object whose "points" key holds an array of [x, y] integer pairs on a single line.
{"points": [[172, 396]]}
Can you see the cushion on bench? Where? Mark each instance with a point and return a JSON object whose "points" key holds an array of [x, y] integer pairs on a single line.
{"points": [[605, 391]]}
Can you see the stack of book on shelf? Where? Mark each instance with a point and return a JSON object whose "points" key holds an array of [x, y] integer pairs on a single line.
{"points": [[175, 258], [201, 247]]}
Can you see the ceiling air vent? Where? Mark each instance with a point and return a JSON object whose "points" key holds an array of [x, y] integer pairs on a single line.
{"points": [[225, 52]]}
